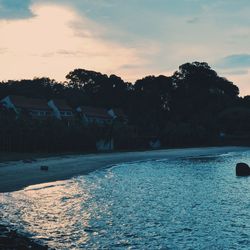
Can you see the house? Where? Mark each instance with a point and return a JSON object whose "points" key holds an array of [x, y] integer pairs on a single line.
{"points": [[38, 108], [118, 114], [35, 107], [92, 115], [61, 110], [4, 111]]}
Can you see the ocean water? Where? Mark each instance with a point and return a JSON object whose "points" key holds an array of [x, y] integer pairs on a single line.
{"points": [[187, 203]]}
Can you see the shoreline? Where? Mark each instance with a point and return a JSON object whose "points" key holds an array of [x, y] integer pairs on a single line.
{"points": [[18, 175], [11, 239]]}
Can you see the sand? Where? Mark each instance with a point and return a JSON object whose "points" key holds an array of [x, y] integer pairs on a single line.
{"points": [[18, 175]]}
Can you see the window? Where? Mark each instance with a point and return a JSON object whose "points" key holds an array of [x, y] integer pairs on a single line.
{"points": [[42, 113]]}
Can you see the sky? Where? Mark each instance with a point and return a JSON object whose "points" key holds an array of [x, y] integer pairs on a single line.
{"points": [[129, 38]]}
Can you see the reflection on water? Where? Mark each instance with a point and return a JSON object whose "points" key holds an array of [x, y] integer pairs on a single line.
{"points": [[191, 203], [47, 212]]}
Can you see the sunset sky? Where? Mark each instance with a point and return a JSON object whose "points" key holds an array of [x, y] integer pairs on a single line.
{"points": [[130, 38]]}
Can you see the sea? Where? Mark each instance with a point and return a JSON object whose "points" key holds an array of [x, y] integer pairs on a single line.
{"points": [[182, 203]]}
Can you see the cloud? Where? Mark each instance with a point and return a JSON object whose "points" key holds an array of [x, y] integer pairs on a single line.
{"points": [[130, 38], [235, 61], [55, 41]]}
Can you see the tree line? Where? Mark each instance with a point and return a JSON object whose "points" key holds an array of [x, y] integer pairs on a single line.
{"points": [[194, 106]]}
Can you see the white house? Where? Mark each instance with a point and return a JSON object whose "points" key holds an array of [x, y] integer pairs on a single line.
{"points": [[92, 115], [118, 114], [38, 108], [35, 107], [61, 110]]}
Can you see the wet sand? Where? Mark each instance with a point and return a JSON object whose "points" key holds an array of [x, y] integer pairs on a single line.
{"points": [[18, 175]]}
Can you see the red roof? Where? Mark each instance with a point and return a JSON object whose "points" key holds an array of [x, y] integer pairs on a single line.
{"points": [[62, 105], [95, 112], [29, 103]]}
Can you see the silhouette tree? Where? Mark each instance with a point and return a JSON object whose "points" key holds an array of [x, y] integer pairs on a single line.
{"points": [[200, 91], [150, 103], [38, 87], [189, 108], [102, 90]]}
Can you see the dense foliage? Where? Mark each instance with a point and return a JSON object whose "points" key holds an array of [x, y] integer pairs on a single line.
{"points": [[194, 106]]}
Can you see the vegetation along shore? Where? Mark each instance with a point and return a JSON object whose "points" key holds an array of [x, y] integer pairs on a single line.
{"points": [[92, 111]]}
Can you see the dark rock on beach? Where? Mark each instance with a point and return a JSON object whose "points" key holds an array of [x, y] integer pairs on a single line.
{"points": [[242, 169], [11, 240]]}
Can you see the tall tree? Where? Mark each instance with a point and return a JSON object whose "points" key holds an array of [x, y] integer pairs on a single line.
{"points": [[108, 91], [200, 91], [151, 102]]}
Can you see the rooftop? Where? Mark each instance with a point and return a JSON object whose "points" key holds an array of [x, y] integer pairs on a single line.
{"points": [[62, 104], [29, 103], [95, 112]]}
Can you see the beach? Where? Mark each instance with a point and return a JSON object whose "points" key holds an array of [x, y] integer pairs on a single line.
{"points": [[17, 175]]}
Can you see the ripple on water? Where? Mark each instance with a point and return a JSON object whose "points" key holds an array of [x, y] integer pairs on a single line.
{"points": [[190, 203]]}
